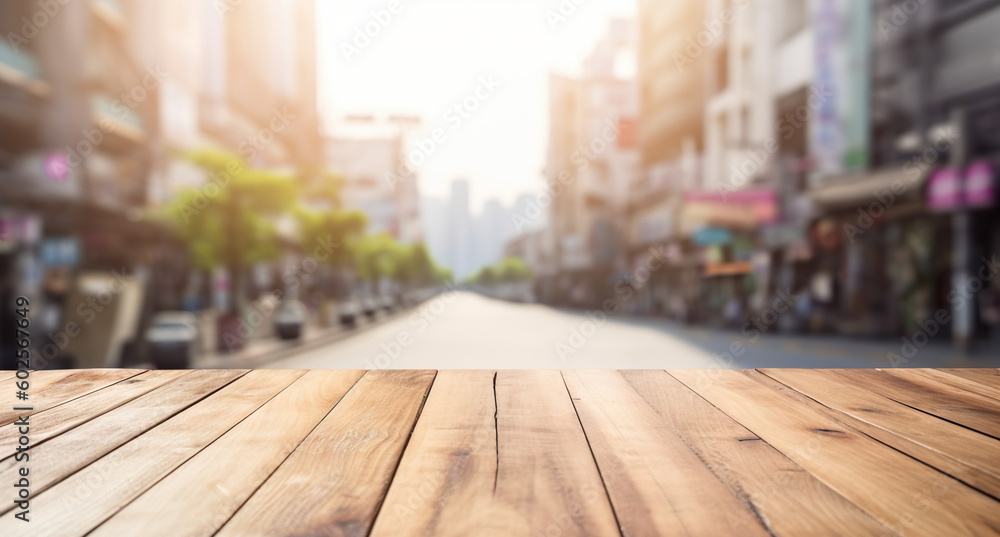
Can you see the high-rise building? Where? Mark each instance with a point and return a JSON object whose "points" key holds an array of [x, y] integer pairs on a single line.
{"points": [[460, 232], [672, 77], [434, 218], [593, 160]]}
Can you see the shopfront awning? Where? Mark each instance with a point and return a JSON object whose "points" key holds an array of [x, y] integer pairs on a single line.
{"points": [[854, 190], [741, 209]]}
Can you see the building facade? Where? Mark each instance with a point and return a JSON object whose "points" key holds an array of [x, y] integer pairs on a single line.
{"points": [[592, 160]]}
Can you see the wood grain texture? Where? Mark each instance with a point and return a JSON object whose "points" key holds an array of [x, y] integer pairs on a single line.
{"points": [[972, 457], [85, 499], [546, 475], [50, 423], [971, 410], [336, 479], [953, 382], [902, 493], [787, 497], [201, 495], [657, 485], [73, 450], [52, 388], [510, 453], [445, 480], [988, 377]]}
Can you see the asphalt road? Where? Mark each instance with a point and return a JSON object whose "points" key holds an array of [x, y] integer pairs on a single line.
{"points": [[460, 330]]}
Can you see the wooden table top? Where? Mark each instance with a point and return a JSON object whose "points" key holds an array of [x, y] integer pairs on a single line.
{"points": [[505, 453]]}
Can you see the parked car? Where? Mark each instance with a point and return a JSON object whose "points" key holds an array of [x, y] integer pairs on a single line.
{"points": [[370, 306], [348, 309], [172, 339], [289, 319], [388, 302]]}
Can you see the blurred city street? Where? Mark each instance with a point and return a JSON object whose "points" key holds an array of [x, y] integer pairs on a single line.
{"points": [[467, 330], [788, 184]]}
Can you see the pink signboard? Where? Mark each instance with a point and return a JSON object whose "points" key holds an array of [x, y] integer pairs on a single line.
{"points": [[944, 189], [738, 197], [979, 184]]}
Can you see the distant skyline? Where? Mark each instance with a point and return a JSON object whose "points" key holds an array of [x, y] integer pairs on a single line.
{"points": [[465, 241], [434, 54]]}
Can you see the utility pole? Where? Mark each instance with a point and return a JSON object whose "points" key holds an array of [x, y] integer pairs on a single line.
{"points": [[963, 311]]}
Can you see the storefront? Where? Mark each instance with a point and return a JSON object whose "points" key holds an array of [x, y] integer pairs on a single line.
{"points": [[966, 196], [877, 268], [724, 229]]}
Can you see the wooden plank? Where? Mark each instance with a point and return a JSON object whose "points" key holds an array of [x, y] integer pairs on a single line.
{"points": [[657, 485], [445, 480], [336, 479], [901, 492], [67, 453], [988, 377], [547, 480], [966, 455], [49, 423], [954, 383], [85, 499], [546, 475], [971, 410], [52, 388], [790, 499], [201, 495]]}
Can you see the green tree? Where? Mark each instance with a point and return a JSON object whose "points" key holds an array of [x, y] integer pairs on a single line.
{"points": [[337, 231], [508, 270], [342, 229], [378, 256], [230, 221], [513, 269], [416, 267], [443, 275], [324, 186]]}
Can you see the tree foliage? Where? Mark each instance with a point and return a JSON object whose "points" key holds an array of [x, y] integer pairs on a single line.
{"points": [[343, 229], [508, 270], [230, 221]]}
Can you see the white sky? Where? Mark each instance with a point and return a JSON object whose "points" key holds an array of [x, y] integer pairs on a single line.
{"points": [[428, 58]]}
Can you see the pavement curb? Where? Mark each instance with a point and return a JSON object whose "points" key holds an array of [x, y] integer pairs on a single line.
{"points": [[330, 335]]}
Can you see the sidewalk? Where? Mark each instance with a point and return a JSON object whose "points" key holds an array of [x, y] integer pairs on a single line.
{"points": [[777, 349], [264, 347]]}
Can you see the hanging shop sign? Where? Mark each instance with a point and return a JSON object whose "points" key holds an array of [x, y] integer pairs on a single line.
{"points": [[739, 209], [980, 184], [728, 269], [711, 235], [944, 189], [781, 235], [954, 188]]}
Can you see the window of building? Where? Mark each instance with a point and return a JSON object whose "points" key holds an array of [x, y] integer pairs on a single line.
{"points": [[722, 69]]}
